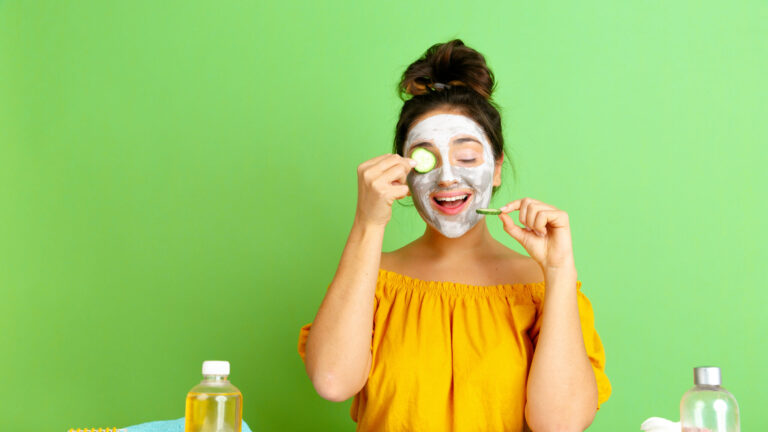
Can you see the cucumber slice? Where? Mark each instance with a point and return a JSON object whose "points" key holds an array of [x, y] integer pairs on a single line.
{"points": [[488, 211], [425, 160]]}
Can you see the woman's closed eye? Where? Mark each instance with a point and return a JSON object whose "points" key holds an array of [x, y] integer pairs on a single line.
{"points": [[468, 154], [468, 158]]}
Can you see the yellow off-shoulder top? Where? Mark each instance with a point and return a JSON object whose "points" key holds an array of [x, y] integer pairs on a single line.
{"points": [[455, 357]]}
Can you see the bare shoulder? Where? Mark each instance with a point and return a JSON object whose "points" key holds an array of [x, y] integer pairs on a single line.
{"points": [[387, 258], [497, 265], [529, 270], [401, 260], [519, 268], [391, 260]]}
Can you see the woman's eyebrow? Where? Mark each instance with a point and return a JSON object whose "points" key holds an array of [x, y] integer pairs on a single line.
{"points": [[465, 139], [422, 144]]}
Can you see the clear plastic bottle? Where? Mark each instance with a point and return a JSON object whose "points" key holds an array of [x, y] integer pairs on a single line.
{"points": [[214, 405], [707, 407]]}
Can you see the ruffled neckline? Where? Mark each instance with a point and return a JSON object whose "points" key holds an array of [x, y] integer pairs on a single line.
{"points": [[392, 278], [399, 276]]}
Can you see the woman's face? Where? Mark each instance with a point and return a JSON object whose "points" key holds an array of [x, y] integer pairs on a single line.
{"points": [[463, 178]]}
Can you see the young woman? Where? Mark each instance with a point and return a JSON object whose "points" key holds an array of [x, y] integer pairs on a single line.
{"points": [[455, 331]]}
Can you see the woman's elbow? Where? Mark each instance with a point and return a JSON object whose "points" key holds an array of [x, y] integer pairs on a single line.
{"points": [[559, 422], [335, 382], [330, 387], [553, 427]]}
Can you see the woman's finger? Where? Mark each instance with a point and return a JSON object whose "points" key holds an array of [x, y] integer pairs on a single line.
{"points": [[512, 206], [373, 172], [397, 172], [540, 223], [527, 212], [513, 230], [367, 171], [399, 191], [365, 165], [387, 163], [516, 204], [533, 213], [530, 213], [523, 215]]}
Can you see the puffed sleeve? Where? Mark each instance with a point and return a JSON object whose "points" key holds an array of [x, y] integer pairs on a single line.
{"points": [[303, 333], [592, 343]]}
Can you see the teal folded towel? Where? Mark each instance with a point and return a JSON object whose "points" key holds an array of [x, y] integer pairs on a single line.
{"points": [[167, 426]]}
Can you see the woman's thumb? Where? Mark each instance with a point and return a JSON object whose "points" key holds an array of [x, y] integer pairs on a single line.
{"points": [[515, 231]]}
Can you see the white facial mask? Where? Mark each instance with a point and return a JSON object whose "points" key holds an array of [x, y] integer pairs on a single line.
{"points": [[442, 130]]}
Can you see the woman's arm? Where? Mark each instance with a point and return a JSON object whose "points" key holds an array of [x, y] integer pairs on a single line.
{"points": [[562, 390], [338, 348]]}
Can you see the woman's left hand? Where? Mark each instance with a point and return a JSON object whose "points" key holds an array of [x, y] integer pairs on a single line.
{"points": [[552, 249]]}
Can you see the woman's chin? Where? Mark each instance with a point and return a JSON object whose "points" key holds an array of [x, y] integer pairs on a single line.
{"points": [[453, 229]]}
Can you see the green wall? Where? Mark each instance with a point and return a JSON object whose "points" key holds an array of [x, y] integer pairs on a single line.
{"points": [[177, 180]]}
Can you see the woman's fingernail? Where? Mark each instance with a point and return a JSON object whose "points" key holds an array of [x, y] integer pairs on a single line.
{"points": [[412, 162]]}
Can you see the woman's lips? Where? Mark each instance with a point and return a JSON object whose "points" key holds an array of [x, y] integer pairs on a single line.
{"points": [[451, 203]]}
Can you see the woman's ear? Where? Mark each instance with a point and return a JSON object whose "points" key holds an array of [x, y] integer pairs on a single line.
{"points": [[497, 171]]}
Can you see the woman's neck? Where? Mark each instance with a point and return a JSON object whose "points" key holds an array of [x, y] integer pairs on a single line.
{"points": [[477, 239]]}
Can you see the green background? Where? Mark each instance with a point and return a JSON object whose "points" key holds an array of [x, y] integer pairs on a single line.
{"points": [[178, 178]]}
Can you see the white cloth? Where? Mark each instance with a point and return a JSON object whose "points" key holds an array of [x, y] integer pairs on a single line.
{"points": [[658, 424]]}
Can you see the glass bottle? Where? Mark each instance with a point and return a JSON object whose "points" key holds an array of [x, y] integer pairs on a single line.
{"points": [[708, 407], [214, 405]]}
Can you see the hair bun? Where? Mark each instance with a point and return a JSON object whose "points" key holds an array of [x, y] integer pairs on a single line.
{"points": [[451, 63]]}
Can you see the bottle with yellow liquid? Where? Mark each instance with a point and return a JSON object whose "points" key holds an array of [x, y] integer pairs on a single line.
{"points": [[214, 405]]}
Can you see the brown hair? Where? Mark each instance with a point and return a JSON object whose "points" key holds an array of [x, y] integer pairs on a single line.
{"points": [[470, 85]]}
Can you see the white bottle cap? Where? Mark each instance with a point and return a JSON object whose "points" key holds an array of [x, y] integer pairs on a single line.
{"points": [[215, 367]]}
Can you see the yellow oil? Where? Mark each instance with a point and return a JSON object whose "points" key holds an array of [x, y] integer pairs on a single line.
{"points": [[213, 412]]}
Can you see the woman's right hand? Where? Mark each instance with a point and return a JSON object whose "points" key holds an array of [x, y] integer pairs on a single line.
{"points": [[381, 181]]}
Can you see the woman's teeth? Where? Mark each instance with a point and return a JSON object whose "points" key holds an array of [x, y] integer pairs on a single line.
{"points": [[453, 202], [455, 198]]}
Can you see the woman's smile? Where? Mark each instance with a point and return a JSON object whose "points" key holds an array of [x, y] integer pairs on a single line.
{"points": [[451, 202]]}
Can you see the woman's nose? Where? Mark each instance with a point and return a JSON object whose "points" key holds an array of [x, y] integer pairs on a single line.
{"points": [[446, 177]]}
